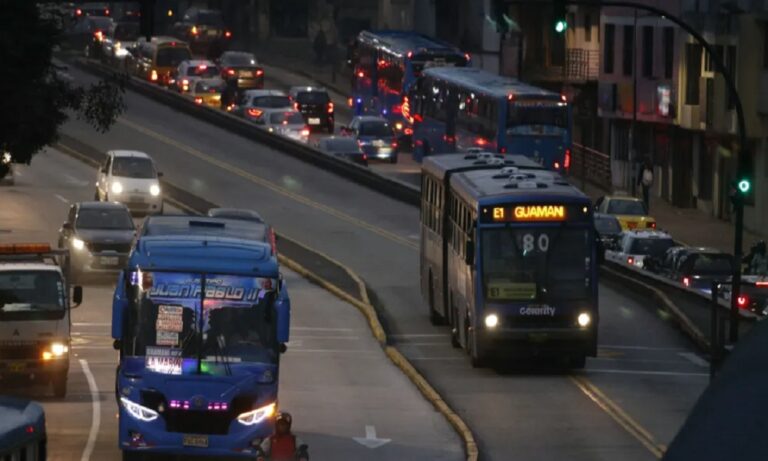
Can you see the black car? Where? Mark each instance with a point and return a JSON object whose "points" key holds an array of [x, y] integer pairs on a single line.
{"points": [[346, 148], [241, 68], [87, 34], [608, 231], [204, 31], [315, 105], [699, 267], [98, 235]]}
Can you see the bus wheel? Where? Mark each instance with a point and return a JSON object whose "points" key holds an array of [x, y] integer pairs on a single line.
{"points": [[59, 383]]}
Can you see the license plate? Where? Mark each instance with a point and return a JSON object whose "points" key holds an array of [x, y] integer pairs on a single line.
{"points": [[16, 367], [109, 260], [212, 33], [314, 121], [246, 73], [632, 225], [199, 441], [137, 199]]}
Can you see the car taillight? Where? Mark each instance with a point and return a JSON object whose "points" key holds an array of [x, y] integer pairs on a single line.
{"points": [[198, 100], [330, 107], [153, 75], [99, 35], [481, 141], [79, 12], [761, 284], [742, 301], [296, 106], [652, 225], [502, 150], [259, 72], [567, 159], [408, 131], [557, 165], [686, 281], [230, 72], [630, 260], [227, 34], [194, 30], [350, 102], [255, 112], [394, 144], [360, 74]]}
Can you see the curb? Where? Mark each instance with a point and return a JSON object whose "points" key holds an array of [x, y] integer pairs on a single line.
{"points": [[363, 305]]}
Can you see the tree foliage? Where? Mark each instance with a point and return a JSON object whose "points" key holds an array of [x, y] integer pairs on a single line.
{"points": [[36, 96]]}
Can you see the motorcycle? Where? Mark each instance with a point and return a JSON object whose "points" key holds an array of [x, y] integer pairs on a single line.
{"points": [[302, 454]]}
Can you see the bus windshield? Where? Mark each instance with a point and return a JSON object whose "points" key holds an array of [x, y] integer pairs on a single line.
{"points": [[536, 264], [547, 114], [31, 295], [173, 324]]}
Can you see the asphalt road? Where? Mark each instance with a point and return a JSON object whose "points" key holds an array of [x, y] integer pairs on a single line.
{"points": [[335, 378], [626, 405]]}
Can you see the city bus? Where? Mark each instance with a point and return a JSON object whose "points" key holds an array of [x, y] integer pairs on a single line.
{"points": [[386, 64], [508, 258], [200, 320], [456, 109], [22, 430]]}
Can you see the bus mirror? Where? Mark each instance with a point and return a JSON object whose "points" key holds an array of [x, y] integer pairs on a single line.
{"points": [[469, 252], [77, 296], [117, 344], [283, 348]]}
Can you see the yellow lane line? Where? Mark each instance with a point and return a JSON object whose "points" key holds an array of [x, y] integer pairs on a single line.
{"points": [[271, 185], [618, 414]]}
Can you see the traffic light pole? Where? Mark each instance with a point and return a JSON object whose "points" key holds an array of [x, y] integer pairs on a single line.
{"points": [[742, 150]]}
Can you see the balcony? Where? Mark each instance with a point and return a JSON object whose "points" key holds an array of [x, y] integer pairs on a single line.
{"points": [[581, 66]]}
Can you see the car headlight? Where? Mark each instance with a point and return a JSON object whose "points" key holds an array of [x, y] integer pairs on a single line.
{"points": [[584, 319], [491, 320], [7, 158], [117, 188], [256, 416], [121, 52], [78, 244], [57, 350], [154, 189], [139, 412]]}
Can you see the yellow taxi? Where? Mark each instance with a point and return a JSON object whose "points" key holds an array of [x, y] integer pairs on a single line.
{"points": [[630, 211], [207, 92], [157, 59]]}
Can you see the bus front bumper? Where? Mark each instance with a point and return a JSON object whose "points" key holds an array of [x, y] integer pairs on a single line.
{"points": [[541, 341]]}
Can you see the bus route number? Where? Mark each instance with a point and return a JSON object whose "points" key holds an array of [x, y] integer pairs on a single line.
{"points": [[531, 243]]}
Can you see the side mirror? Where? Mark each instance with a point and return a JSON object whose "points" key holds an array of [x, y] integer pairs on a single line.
{"points": [[77, 296], [469, 253], [283, 348], [117, 344]]}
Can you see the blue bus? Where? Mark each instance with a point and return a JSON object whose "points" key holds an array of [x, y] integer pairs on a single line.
{"points": [[200, 320], [456, 109], [386, 64], [22, 430], [508, 258]]}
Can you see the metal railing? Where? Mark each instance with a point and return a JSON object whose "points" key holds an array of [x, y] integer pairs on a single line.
{"points": [[590, 165], [582, 64]]}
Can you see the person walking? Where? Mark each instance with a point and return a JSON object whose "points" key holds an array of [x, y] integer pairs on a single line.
{"points": [[645, 181]]}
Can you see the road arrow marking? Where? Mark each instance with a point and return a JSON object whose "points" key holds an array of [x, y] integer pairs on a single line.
{"points": [[370, 440]]}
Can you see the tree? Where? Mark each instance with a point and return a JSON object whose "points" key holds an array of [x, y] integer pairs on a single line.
{"points": [[36, 98]]}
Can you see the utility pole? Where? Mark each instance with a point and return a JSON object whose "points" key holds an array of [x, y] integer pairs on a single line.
{"points": [[632, 157]]}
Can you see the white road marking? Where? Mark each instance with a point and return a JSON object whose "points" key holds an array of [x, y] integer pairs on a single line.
{"points": [[75, 181], [96, 418], [320, 329], [639, 348], [370, 440], [646, 372], [693, 358], [63, 199]]}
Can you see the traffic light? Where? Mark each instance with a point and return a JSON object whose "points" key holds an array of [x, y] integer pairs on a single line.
{"points": [[560, 20], [147, 18]]}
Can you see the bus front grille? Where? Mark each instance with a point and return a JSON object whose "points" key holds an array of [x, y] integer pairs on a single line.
{"points": [[198, 422]]}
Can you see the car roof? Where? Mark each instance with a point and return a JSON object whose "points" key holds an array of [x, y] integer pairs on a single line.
{"points": [[28, 266], [94, 205], [606, 216], [309, 89], [204, 225], [255, 93], [199, 62], [648, 234], [370, 118], [240, 214], [622, 197], [129, 153]]}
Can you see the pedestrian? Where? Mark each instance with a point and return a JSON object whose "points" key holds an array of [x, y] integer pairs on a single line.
{"points": [[645, 181], [320, 44]]}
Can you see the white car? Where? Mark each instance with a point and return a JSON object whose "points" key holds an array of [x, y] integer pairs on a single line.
{"points": [[637, 245], [289, 123], [191, 71], [129, 177], [255, 102]]}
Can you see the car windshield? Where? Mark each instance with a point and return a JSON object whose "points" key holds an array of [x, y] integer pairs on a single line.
{"points": [[286, 118], [546, 113], [712, 263], [203, 71], [271, 102], [345, 145], [133, 167], [239, 59], [655, 247], [626, 207], [107, 219], [381, 129], [312, 97], [31, 295], [607, 225], [127, 31], [536, 264], [175, 323], [172, 56], [100, 23], [210, 18]]}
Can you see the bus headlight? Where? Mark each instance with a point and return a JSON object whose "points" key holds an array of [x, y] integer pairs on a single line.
{"points": [[154, 189], [77, 244], [584, 319], [256, 416], [139, 412], [491, 320], [117, 188]]}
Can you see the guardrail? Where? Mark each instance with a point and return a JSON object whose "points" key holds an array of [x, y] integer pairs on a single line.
{"points": [[590, 165]]}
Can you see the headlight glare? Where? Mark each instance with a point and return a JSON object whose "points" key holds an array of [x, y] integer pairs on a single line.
{"points": [[59, 349], [154, 189], [491, 320], [256, 416], [139, 412], [117, 188], [78, 244], [584, 319]]}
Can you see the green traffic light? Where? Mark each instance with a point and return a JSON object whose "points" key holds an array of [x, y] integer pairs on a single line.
{"points": [[744, 186], [560, 26]]}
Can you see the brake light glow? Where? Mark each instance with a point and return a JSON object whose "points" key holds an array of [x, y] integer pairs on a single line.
{"points": [[742, 301], [99, 35], [24, 248], [360, 74], [273, 241], [255, 112], [350, 102], [230, 71], [686, 281], [202, 67], [330, 107], [449, 139], [567, 159], [481, 141], [305, 132], [259, 72], [563, 98], [557, 165], [79, 12], [502, 150], [394, 144], [468, 57], [511, 97], [652, 225], [106, 12], [761, 284], [153, 75], [397, 109], [410, 54], [198, 100], [408, 131], [194, 30], [227, 34], [630, 260]]}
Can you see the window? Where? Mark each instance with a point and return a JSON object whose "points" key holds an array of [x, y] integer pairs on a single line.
{"points": [[709, 61], [587, 28], [648, 51], [693, 73], [669, 51], [608, 50], [628, 51]]}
